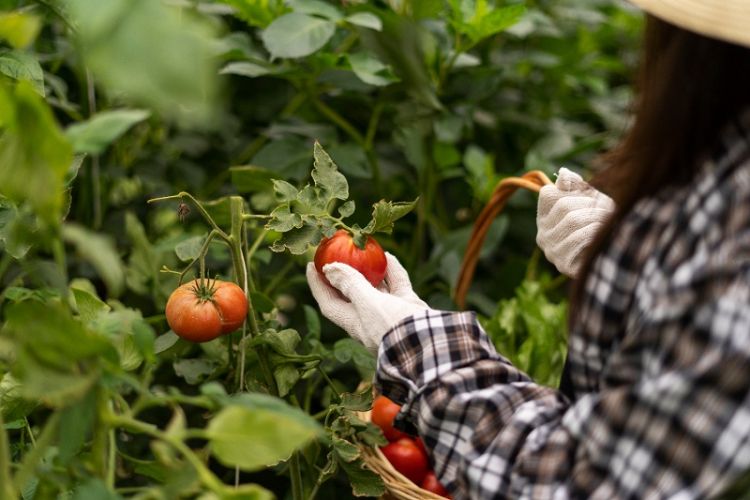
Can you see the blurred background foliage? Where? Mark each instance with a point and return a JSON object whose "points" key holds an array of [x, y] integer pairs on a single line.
{"points": [[106, 103]]}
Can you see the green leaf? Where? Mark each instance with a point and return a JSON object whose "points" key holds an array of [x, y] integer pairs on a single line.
{"points": [[286, 376], [262, 302], [34, 155], [316, 8], [346, 451], [282, 220], [258, 13], [371, 70], [19, 28], [165, 342], [243, 492], [154, 54], [365, 20], [100, 251], [385, 213], [284, 191], [75, 424], [95, 134], [94, 489], [297, 241], [297, 35], [189, 249], [246, 68], [89, 306], [22, 66], [14, 230], [357, 401], [195, 370], [251, 179], [144, 262], [365, 483], [259, 432], [347, 209], [12, 403], [57, 357], [312, 320], [326, 175]]}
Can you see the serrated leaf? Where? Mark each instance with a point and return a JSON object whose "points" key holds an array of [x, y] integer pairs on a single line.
{"points": [[195, 370], [297, 35], [385, 213], [284, 191], [346, 451], [357, 401], [297, 241], [282, 220], [365, 483], [95, 134], [366, 20], [286, 376], [347, 209], [326, 174]]}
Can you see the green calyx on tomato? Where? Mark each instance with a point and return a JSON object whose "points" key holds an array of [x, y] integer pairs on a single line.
{"points": [[200, 311], [341, 247]]}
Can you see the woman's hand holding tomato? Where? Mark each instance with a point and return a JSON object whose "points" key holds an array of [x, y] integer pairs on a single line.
{"points": [[407, 455], [200, 311]]}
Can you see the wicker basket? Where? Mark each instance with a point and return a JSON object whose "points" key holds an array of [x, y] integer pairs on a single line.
{"points": [[397, 485]]}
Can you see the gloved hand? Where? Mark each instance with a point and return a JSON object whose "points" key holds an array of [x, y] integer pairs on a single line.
{"points": [[365, 312], [569, 214]]}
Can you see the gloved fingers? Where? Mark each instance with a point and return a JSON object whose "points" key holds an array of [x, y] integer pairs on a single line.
{"points": [[352, 284], [549, 195], [398, 280], [331, 304], [564, 229], [573, 208], [567, 252], [567, 180]]}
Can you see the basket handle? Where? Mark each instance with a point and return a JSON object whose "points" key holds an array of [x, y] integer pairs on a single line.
{"points": [[533, 181]]}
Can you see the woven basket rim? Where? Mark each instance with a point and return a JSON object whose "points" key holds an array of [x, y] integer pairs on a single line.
{"points": [[396, 483]]}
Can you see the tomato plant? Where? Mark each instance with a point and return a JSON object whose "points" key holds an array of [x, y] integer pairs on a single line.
{"points": [[369, 260], [202, 310], [407, 458], [383, 412], [210, 109]]}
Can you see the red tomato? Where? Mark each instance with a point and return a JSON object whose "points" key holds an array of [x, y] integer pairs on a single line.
{"points": [[421, 445], [407, 458], [200, 313], [383, 412], [431, 484], [340, 247]]}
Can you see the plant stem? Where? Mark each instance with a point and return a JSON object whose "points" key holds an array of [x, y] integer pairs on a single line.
{"points": [[198, 205], [339, 120], [204, 474], [295, 472], [33, 457], [6, 485]]}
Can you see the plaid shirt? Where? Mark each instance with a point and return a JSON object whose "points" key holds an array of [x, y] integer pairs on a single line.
{"points": [[659, 364]]}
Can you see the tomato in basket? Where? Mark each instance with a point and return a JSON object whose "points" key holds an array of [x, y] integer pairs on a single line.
{"points": [[407, 458]]}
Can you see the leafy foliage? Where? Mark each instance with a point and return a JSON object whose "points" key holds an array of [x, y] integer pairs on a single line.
{"points": [[105, 104]]}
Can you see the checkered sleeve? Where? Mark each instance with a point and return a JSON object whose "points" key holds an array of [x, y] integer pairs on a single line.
{"points": [[679, 429]]}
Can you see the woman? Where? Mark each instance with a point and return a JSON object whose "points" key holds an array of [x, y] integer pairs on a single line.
{"points": [[657, 400]]}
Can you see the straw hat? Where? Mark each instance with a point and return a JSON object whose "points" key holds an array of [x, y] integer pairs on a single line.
{"points": [[727, 20]]}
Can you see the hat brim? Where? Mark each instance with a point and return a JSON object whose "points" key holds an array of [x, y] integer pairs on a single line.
{"points": [[727, 20]]}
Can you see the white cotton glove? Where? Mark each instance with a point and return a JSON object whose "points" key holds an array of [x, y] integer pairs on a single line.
{"points": [[365, 312], [569, 215]]}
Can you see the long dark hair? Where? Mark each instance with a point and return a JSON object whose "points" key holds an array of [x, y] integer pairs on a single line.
{"points": [[689, 87]]}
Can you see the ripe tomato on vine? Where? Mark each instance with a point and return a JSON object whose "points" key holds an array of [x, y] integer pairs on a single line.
{"points": [[201, 310]]}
